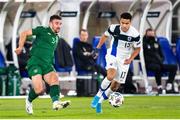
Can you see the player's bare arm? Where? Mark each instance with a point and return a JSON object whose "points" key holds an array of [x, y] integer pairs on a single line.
{"points": [[133, 55], [102, 40], [22, 40]]}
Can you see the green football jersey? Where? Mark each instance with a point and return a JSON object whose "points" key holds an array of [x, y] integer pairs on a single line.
{"points": [[45, 43]]}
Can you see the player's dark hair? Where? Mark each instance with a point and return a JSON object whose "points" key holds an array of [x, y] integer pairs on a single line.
{"points": [[55, 17], [126, 15], [83, 30]]}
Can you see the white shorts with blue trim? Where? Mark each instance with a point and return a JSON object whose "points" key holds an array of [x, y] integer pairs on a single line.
{"points": [[119, 66]]}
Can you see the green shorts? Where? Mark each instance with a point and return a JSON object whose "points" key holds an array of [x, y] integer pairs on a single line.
{"points": [[37, 66]]}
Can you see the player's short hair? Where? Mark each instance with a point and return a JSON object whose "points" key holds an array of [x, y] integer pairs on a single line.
{"points": [[126, 15], [83, 30], [55, 17]]}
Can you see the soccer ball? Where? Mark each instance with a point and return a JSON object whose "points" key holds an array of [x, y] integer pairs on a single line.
{"points": [[116, 99]]}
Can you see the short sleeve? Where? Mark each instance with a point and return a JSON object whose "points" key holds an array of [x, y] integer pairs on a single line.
{"points": [[110, 30], [137, 42], [37, 30]]}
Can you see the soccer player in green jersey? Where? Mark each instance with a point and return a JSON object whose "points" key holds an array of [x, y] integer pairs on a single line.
{"points": [[40, 65]]}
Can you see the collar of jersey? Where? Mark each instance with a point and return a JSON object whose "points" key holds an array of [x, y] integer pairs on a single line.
{"points": [[51, 31]]}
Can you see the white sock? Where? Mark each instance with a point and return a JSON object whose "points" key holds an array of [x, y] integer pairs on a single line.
{"points": [[104, 85], [99, 93], [101, 99], [105, 95]]}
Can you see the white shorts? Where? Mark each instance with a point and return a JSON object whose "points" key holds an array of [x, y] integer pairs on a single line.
{"points": [[118, 64]]}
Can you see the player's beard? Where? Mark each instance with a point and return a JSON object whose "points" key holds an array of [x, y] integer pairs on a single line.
{"points": [[57, 30]]}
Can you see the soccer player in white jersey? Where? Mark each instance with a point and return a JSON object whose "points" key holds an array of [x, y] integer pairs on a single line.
{"points": [[125, 46]]}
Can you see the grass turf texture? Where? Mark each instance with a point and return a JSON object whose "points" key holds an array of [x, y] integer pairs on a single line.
{"points": [[137, 107]]}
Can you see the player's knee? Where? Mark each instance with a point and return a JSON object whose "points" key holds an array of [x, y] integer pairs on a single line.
{"points": [[111, 73], [39, 90], [115, 86], [110, 77], [54, 82]]}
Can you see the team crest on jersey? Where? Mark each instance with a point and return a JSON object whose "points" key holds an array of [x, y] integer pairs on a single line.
{"points": [[129, 38], [35, 70]]}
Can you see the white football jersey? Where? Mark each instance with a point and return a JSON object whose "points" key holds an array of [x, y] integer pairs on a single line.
{"points": [[122, 43]]}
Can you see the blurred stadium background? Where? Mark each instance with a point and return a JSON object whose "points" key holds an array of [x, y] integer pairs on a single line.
{"points": [[95, 16]]}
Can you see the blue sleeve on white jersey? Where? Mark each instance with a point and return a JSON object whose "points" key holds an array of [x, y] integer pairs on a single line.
{"points": [[110, 30], [137, 42]]}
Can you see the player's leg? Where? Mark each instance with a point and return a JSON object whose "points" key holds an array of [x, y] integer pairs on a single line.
{"points": [[111, 72], [114, 86], [37, 87], [119, 78], [52, 79], [105, 95]]}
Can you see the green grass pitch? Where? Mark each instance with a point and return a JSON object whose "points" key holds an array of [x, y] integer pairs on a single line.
{"points": [[138, 107]]}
